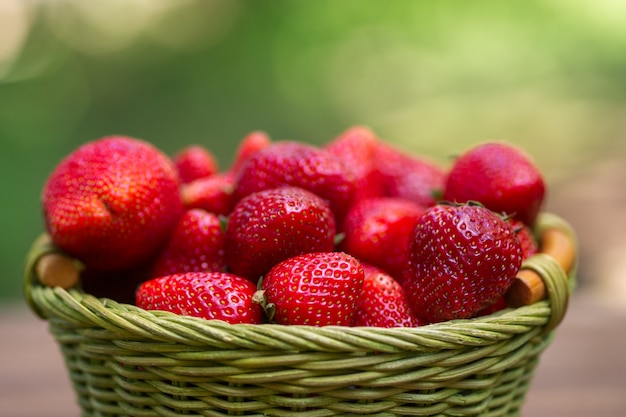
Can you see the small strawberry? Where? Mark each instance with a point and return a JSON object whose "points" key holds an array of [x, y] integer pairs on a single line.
{"points": [[315, 289], [383, 302], [249, 145], [356, 148], [113, 202], [461, 259], [501, 177], [409, 176], [213, 193], [208, 295], [526, 238], [300, 165], [196, 245], [377, 231], [269, 226], [193, 162]]}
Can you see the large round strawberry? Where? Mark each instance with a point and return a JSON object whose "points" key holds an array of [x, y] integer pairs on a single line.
{"points": [[269, 226], [314, 289], [461, 259], [113, 202]]}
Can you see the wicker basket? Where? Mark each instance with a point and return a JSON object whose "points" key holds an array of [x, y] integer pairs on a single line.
{"points": [[125, 361]]}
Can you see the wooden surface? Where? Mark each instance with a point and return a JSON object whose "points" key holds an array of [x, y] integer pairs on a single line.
{"points": [[582, 374]]}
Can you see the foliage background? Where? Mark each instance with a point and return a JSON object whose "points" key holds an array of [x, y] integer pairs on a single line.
{"points": [[431, 77]]}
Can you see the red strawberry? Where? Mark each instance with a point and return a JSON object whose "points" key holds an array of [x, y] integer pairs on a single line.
{"points": [[315, 289], [208, 295], [377, 231], [300, 165], [269, 226], [526, 238], [193, 162], [461, 259], [197, 245], [249, 145], [408, 176], [213, 194], [356, 148], [383, 302], [113, 202], [499, 176]]}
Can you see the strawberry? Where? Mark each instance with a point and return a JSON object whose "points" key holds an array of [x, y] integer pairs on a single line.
{"points": [[526, 238], [300, 165], [409, 176], [208, 295], [501, 177], [196, 245], [249, 145], [377, 231], [113, 202], [213, 193], [356, 148], [269, 226], [193, 162], [315, 289], [383, 302], [461, 259]]}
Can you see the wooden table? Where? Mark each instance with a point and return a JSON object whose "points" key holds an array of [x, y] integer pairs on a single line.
{"points": [[582, 374]]}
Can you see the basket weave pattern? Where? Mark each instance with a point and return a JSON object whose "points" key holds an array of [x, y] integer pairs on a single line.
{"points": [[125, 361]]}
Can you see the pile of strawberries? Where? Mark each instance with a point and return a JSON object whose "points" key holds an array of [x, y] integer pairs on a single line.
{"points": [[355, 232]]}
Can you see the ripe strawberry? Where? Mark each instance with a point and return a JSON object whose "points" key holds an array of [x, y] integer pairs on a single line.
{"points": [[383, 302], [499, 176], [196, 245], [193, 162], [408, 176], [213, 193], [356, 148], [315, 289], [461, 259], [300, 165], [269, 226], [377, 231], [249, 145], [208, 295], [113, 202], [526, 238]]}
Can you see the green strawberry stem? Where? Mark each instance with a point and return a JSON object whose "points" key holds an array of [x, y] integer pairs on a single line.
{"points": [[223, 222], [268, 308], [339, 237]]}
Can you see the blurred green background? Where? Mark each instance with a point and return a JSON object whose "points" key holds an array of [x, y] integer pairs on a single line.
{"points": [[434, 77]]}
